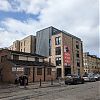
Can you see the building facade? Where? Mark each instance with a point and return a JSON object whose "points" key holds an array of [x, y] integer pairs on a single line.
{"points": [[14, 63], [43, 40], [91, 63], [27, 44], [64, 50]]}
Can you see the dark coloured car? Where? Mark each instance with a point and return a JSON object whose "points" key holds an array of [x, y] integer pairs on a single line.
{"points": [[73, 79]]}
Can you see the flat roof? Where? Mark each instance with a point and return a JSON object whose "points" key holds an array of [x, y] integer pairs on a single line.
{"points": [[60, 31]]}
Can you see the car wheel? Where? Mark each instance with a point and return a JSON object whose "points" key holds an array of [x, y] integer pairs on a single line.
{"points": [[82, 82], [74, 82], [66, 83]]}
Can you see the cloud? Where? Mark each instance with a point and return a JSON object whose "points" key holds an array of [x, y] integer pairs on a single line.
{"points": [[27, 6], [78, 17], [4, 5]]}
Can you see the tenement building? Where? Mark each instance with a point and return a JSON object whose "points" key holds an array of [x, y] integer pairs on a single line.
{"points": [[91, 63], [25, 45], [15, 63], [64, 50]]}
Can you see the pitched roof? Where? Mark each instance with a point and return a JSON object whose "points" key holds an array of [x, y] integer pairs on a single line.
{"points": [[30, 63]]}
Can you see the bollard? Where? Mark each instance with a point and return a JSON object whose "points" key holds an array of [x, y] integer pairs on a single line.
{"points": [[25, 82], [51, 81], [40, 82]]}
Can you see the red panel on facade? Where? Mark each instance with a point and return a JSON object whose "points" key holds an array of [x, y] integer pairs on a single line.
{"points": [[67, 57]]}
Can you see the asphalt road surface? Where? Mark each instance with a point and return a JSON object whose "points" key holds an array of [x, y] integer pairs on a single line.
{"points": [[87, 91]]}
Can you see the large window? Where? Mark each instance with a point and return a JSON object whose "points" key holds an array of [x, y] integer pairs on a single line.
{"points": [[27, 71], [48, 71], [58, 40], [39, 71], [58, 61], [58, 50]]}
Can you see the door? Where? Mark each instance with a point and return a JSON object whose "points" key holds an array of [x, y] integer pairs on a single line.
{"points": [[67, 71], [58, 72]]}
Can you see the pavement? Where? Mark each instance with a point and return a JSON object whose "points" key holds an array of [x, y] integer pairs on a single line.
{"points": [[34, 85], [57, 91]]}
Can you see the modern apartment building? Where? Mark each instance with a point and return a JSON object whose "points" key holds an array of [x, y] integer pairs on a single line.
{"points": [[25, 45], [62, 49], [43, 40], [91, 63]]}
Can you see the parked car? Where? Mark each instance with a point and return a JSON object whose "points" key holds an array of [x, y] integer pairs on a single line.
{"points": [[97, 77], [89, 78], [73, 79]]}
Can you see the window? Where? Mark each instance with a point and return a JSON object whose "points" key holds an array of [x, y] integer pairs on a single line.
{"points": [[3, 58], [77, 54], [21, 43], [15, 57], [78, 63], [21, 50], [77, 44], [48, 71], [39, 71], [36, 59], [58, 61], [58, 50], [58, 40], [27, 71], [24, 49], [24, 43], [49, 42]]}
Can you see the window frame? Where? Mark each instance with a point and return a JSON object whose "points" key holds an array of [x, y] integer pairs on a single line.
{"points": [[39, 71]]}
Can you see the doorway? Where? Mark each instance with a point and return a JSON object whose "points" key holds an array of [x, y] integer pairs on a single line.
{"points": [[67, 71], [58, 72]]}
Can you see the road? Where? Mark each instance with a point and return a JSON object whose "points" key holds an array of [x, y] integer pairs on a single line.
{"points": [[87, 91]]}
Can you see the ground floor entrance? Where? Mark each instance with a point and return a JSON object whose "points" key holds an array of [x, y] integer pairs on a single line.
{"points": [[67, 71], [59, 72]]}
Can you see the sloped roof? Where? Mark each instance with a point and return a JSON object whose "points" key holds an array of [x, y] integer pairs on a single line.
{"points": [[30, 63]]}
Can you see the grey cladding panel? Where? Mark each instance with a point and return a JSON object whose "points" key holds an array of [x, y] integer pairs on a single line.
{"points": [[42, 42]]}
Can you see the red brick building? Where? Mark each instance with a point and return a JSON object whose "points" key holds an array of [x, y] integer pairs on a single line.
{"points": [[14, 63]]}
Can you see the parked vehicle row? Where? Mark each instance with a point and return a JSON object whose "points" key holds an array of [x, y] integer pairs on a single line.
{"points": [[76, 79], [73, 79], [91, 77]]}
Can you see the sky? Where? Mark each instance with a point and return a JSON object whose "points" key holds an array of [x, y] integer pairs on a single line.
{"points": [[20, 18]]}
